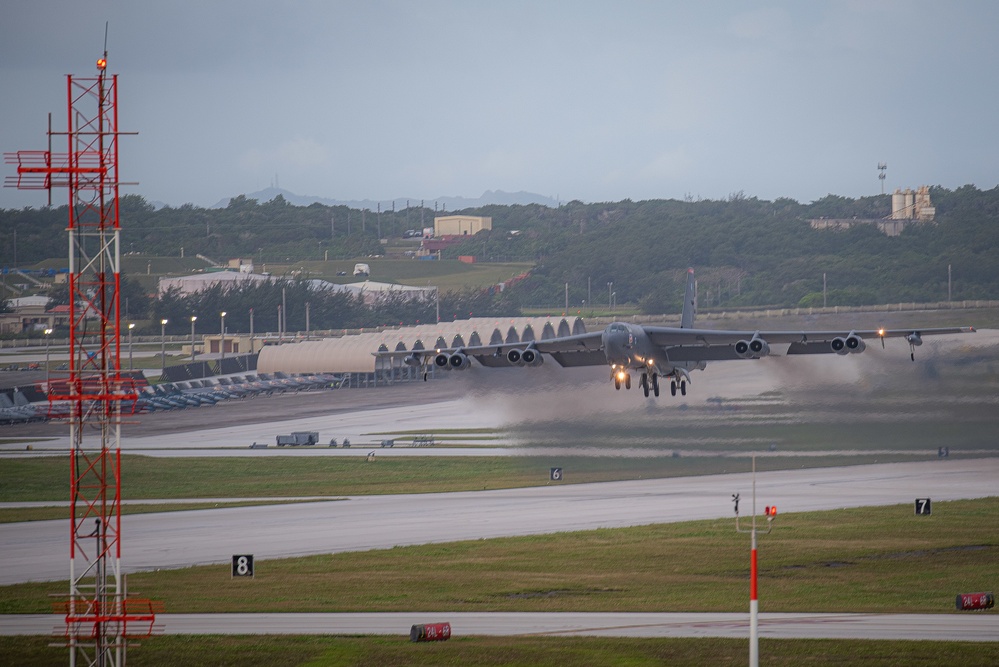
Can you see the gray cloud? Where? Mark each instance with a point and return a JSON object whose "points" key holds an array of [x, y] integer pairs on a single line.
{"points": [[585, 100]]}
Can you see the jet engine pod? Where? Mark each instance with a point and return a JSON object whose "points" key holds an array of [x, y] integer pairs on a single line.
{"points": [[914, 339], [752, 349], [532, 357], [838, 345], [515, 357], [411, 359], [459, 361], [855, 343], [758, 347], [441, 361]]}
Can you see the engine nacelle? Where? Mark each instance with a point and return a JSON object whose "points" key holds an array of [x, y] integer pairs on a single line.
{"points": [[531, 357], [442, 361], [411, 359], [855, 343], [758, 347], [914, 339], [752, 349], [515, 357], [459, 361], [838, 345]]}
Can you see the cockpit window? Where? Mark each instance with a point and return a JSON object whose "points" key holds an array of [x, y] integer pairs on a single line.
{"points": [[618, 327]]}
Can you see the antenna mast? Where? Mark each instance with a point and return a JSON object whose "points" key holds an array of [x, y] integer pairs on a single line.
{"points": [[99, 616]]}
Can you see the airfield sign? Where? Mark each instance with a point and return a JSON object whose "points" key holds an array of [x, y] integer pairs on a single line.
{"points": [[242, 565]]}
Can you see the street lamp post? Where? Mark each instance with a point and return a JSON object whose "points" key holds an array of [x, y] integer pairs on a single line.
{"points": [[163, 324], [48, 333], [194, 318], [610, 286], [222, 334], [131, 325]]}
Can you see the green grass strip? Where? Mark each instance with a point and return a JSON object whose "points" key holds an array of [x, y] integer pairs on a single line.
{"points": [[342, 651], [872, 559]]}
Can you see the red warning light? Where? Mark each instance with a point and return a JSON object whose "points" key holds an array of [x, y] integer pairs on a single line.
{"points": [[101, 63], [771, 511]]}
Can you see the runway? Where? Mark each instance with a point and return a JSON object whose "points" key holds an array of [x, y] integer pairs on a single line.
{"points": [[36, 551], [924, 627]]}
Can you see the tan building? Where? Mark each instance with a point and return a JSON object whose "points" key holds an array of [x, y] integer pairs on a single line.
{"points": [[461, 225]]}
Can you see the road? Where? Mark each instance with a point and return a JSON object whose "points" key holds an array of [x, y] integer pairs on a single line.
{"points": [[36, 551], [973, 627]]}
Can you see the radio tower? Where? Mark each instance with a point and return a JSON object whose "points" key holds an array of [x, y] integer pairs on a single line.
{"points": [[99, 617]]}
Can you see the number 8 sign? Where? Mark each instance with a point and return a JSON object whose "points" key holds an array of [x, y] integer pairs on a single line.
{"points": [[242, 566]]}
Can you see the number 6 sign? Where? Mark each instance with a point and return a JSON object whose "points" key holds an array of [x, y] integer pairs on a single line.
{"points": [[242, 566]]}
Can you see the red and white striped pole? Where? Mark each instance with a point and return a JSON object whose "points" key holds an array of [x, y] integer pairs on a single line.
{"points": [[754, 604]]}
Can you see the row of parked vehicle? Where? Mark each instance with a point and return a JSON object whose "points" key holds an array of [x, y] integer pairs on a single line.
{"points": [[176, 395], [18, 410], [209, 391]]}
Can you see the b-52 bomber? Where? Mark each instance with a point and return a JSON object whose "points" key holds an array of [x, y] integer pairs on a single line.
{"points": [[661, 352]]}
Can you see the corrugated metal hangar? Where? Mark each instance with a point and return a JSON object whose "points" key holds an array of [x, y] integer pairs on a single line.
{"points": [[355, 353]]}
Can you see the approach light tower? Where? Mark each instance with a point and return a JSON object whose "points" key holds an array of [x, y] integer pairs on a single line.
{"points": [[99, 618]]}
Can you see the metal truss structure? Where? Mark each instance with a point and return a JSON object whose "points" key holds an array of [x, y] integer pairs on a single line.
{"points": [[99, 616]]}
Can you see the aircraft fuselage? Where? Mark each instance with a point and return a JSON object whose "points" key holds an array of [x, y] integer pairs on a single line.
{"points": [[628, 346]]}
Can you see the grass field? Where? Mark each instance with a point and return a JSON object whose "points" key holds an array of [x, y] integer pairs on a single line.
{"points": [[337, 651], [875, 559]]}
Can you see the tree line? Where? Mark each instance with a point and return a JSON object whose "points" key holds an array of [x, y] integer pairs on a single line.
{"points": [[747, 251]]}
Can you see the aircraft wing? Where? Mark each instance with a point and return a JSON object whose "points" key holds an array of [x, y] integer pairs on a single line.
{"points": [[718, 345], [578, 350]]}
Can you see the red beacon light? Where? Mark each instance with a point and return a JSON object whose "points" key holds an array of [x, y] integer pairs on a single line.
{"points": [[770, 511], [101, 63]]}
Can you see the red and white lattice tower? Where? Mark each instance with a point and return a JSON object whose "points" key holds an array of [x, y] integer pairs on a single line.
{"points": [[99, 616]]}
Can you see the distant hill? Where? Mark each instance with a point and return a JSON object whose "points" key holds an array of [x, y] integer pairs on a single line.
{"points": [[489, 197]]}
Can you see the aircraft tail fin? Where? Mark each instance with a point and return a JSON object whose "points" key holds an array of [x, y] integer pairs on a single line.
{"points": [[689, 302]]}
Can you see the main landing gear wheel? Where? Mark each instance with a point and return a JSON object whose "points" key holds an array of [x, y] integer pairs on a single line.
{"points": [[655, 384], [683, 387], [644, 382], [672, 387], [627, 381], [617, 383]]}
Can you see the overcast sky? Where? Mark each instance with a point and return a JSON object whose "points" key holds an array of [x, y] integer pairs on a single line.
{"points": [[597, 101]]}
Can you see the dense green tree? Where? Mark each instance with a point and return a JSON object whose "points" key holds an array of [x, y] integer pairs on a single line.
{"points": [[747, 252]]}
